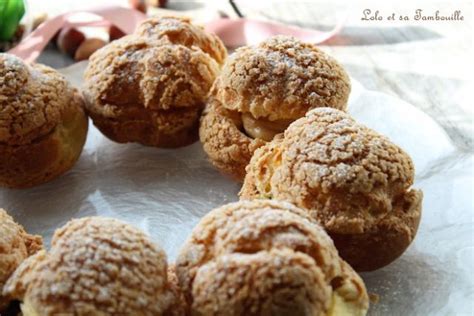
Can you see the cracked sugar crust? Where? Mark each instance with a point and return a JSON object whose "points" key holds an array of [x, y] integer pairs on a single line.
{"points": [[95, 266], [276, 80], [281, 78], [251, 231], [328, 162], [148, 74], [228, 148], [180, 30], [275, 282], [15, 246], [353, 180], [32, 100], [141, 87], [43, 125]]}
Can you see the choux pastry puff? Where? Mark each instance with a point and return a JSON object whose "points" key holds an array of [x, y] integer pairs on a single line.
{"points": [[265, 257], [150, 87], [260, 91], [354, 181], [43, 126]]}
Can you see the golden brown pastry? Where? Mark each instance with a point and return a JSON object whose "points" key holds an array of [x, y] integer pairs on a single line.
{"points": [[43, 126], [266, 257], [150, 87], [355, 182], [96, 266], [179, 306], [260, 91], [15, 246]]}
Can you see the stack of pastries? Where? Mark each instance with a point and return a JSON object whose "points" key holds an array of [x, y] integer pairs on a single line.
{"points": [[322, 197], [260, 91]]}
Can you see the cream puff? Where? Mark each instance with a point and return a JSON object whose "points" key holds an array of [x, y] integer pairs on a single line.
{"points": [[16, 245], [43, 126], [354, 181], [260, 91], [96, 266], [266, 257], [150, 87]]}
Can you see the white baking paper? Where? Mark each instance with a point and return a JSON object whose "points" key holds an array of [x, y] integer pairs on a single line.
{"points": [[166, 192]]}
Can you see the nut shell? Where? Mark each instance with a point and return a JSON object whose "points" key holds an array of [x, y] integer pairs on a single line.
{"points": [[43, 125], [15, 246], [263, 257], [69, 40], [355, 182], [96, 266], [87, 48]]}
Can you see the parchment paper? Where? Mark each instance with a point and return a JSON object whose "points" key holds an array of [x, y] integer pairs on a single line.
{"points": [[166, 192]]}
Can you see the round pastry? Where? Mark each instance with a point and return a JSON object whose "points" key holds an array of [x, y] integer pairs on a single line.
{"points": [[266, 257], [150, 87], [260, 91], [96, 266], [355, 182], [43, 126], [15, 246]]}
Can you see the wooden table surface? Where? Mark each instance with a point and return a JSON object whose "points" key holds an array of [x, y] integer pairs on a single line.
{"points": [[426, 63]]}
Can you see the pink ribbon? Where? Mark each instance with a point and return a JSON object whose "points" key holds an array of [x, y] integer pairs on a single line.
{"points": [[238, 32], [32, 45], [233, 32]]}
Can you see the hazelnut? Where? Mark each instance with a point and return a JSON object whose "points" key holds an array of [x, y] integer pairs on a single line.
{"points": [[138, 5], [88, 47], [69, 39], [115, 33]]}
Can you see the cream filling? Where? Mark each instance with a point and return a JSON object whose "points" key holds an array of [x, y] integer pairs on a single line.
{"points": [[28, 310], [341, 307], [72, 132], [263, 129]]}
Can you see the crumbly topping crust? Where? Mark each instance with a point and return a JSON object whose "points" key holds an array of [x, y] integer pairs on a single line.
{"points": [[32, 100], [149, 79], [15, 246], [95, 266], [249, 239], [228, 148], [281, 78], [346, 174], [180, 30]]}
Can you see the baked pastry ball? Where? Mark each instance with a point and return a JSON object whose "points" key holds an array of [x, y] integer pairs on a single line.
{"points": [[43, 126], [266, 257], [96, 266], [151, 87], [260, 91], [354, 181], [15, 246]]}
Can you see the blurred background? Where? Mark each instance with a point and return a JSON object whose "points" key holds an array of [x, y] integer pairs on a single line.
{"points": [[426, 63]]}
